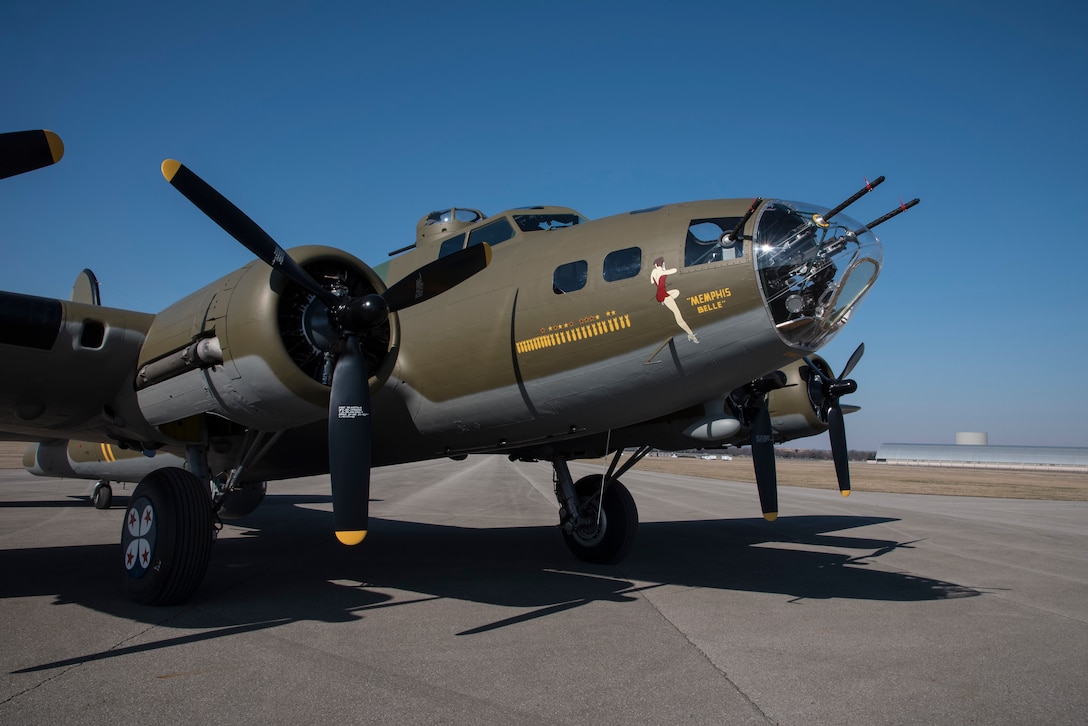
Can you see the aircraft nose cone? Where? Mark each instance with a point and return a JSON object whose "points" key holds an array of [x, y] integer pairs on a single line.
{"points": [[813, 270]]}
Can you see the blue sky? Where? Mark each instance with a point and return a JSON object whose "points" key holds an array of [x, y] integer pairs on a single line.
{"points": [[343, 123]]}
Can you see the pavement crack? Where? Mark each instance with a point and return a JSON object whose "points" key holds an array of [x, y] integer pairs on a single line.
{"points": [[70, 666], [643, 594]]}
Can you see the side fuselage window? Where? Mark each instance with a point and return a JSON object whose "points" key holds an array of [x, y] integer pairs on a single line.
{"points": [[622, 264], [706, 241], [570, 277]]}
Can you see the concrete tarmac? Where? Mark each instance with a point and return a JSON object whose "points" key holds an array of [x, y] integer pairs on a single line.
{"points": [[464, 606]]}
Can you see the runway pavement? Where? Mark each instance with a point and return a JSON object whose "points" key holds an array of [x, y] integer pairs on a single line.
{"points": [[463, 606]]}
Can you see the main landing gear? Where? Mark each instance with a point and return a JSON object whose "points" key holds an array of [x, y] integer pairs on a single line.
{"points": [[597, 514], [172, 520], [166, 538]]}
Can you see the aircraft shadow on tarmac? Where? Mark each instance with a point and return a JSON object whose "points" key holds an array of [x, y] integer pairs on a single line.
{"points": [[291, 569], [72, 501]]}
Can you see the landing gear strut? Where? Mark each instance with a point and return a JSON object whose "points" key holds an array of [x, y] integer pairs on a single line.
{"points": [[233, 498], [240, 501], [597, 514]]}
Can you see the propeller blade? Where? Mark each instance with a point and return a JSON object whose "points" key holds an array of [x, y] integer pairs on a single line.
{"points": [[437, 277], [239, 226], [762, 441], [349, 444], [832, 412], [23, 151], [854, 358], [837, 430]]}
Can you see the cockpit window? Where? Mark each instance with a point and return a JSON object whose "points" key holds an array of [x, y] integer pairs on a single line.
{"points": [[707, 241], [494, 233], [453, 244], [538, 221]]}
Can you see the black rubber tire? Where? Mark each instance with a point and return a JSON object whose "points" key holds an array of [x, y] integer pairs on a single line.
{"points": [[171, 546], [102, 496], [620, 522]]}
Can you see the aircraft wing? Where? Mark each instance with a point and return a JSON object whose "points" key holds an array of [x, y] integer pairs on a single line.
{"points": [[66, 370]]}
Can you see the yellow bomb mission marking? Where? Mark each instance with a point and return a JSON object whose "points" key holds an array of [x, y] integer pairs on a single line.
{"points": [[709, 301], [574, 334]]}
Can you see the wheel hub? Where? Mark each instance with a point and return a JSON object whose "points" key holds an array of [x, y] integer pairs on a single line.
{"points": [[138, 538], [591, 531]]}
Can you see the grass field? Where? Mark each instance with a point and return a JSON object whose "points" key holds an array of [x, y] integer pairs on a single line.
{"points": [[865, 477], [873, 477]]}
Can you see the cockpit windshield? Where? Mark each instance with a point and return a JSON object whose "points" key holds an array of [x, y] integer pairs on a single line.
{"points": [[813, 272]]}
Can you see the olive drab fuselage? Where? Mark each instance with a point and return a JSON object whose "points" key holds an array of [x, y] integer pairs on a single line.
{"points": [[576, 330]]}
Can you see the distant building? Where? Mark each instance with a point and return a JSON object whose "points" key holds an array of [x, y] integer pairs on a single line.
{"points": [[971, 451], [972, 438]]}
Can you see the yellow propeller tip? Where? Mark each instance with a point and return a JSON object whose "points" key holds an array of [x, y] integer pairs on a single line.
{"points": [[56, 146], [770, 516], [844, 492], [351, 537], [170, 168]]}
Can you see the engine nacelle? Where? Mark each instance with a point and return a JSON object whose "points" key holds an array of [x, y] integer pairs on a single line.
{"points": [[251, 347], [795, 408]]}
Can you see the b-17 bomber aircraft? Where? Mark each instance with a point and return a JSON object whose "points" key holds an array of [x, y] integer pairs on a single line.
{"points": [[534, 334]]}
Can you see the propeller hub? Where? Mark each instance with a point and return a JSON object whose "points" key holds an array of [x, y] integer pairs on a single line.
{"points": [[840, 388], [362, 313]]}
